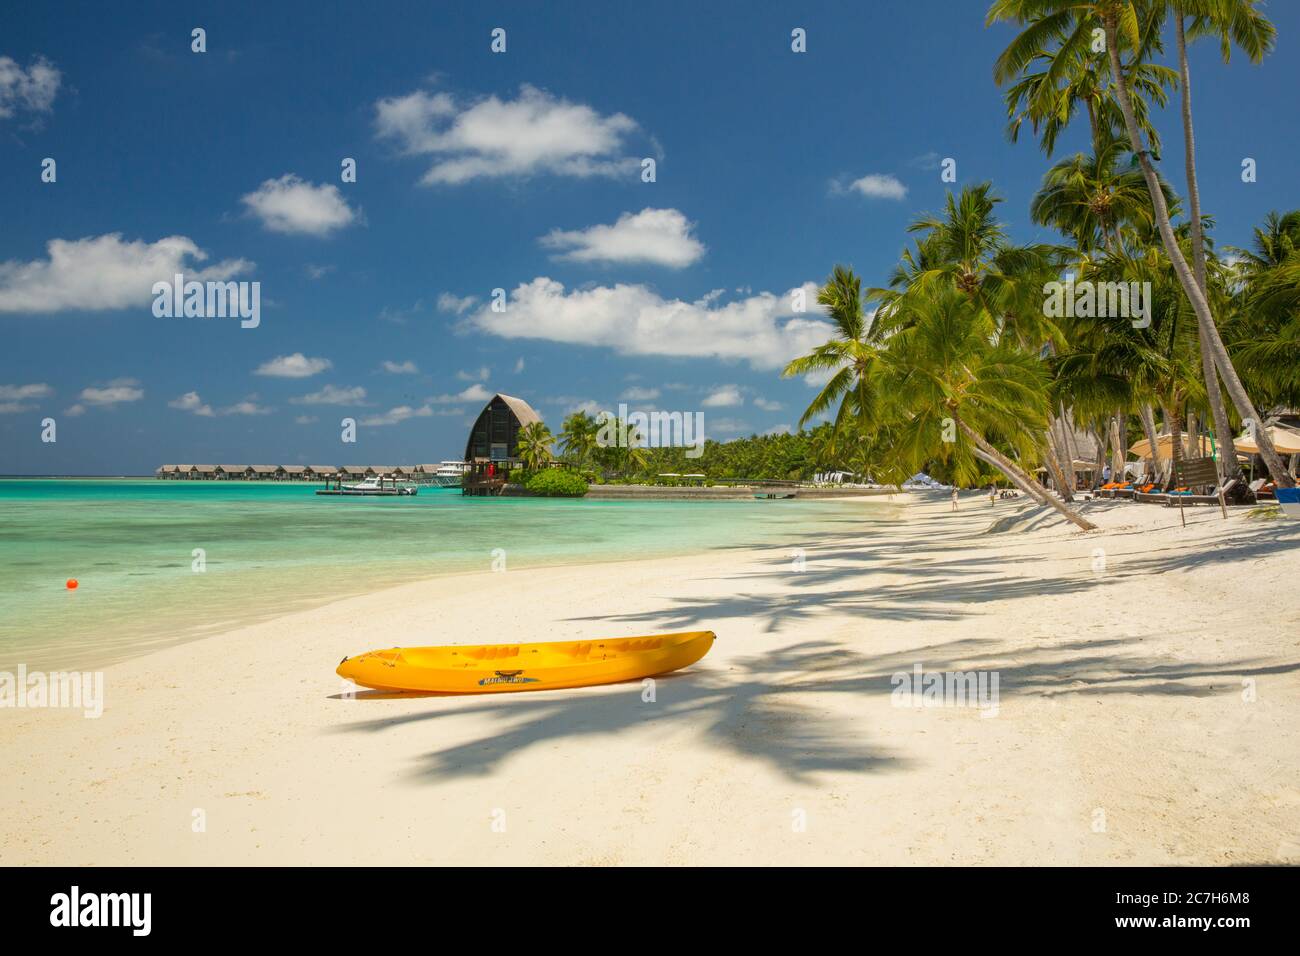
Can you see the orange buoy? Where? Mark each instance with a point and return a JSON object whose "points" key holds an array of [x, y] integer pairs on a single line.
{"points": [[72, 584]]}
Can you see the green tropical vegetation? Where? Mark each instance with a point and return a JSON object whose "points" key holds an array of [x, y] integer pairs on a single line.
{"points": [[960, 364], [534, 445], [556, 483]]}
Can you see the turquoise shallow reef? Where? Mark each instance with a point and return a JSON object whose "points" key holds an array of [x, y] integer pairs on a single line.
{"points": [[268, 548]]}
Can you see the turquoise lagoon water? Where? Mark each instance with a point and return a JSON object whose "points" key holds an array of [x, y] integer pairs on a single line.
{"points": [[270, 548]]}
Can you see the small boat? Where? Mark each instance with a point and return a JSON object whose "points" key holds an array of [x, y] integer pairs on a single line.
{"points": [[773, 496], [1288, 499], [384, 486], [498, 668], [450, 474]]}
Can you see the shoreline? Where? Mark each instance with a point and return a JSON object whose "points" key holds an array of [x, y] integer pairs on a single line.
{"points": [[1121, 691]]}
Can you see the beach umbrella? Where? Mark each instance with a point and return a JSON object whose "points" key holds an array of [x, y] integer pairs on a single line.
{"points": [[1165, 445], [1285, 440]]}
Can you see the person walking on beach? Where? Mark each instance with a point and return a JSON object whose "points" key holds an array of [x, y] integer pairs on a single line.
{"points": [[993, 495], [954, 497]]}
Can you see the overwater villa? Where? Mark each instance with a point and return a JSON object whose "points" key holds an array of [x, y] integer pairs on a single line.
{"points": [[491, 450]]}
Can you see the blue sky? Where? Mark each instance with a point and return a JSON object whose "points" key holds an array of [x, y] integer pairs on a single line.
{"points": [[478, 171]]}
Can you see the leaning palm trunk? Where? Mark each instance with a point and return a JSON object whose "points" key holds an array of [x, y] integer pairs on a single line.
{"points": [[1022, 480], [1205, 321], [1229, 467], [1034, 489]]}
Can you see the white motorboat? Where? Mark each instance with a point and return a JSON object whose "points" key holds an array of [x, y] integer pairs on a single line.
{"points": [[450, 474], [383, 486]]}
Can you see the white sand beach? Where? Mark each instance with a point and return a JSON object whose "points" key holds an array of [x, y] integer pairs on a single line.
{"points": [[1147, 714]]}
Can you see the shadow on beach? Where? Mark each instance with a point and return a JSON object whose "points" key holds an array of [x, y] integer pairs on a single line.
{"points": [[759, 705]]}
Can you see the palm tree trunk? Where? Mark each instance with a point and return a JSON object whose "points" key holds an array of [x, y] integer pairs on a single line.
{"points": [[1119, 444], [1034, 490], [1098, 432], [1020, 478], [1051, 456], [1229, 467], [1149, 427], [1173, 422], [1205, 321]]}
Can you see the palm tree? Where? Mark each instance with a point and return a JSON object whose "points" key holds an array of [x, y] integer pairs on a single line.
{"points": [[1091, 198], [1159, 363], [1265, 337], [848, 357], [578, 438], [1072, 74], [966, 247], [956, 394], [1233, 21], [1071, 23], [533, 445]]}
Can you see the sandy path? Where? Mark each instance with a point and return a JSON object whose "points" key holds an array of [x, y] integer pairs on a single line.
{"points": [[1124, 732]]}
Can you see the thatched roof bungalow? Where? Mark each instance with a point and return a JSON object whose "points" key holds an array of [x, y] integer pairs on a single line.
{"points": [[495, 434]]}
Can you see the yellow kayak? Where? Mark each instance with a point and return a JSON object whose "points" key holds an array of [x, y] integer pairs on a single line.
{"points": [[492, 668]]}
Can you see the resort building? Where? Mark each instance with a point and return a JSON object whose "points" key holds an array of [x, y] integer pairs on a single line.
{"points": [[495, 435], [491, 450]]}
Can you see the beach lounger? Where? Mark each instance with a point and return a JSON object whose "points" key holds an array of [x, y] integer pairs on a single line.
{"points": [[1260, 491], [1177, 498]]}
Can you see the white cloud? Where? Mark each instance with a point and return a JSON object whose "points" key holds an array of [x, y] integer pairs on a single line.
{"points": [[876, 186], [21, 393], [332, 395], [638, 394], [450, 303], [32, 89], [519, 365], [117, 391], [399, 414], [475, 393], [296, 207], [762, 329], [246, 407], [190, 402], [768, 406], [534, 133], [778, 430], [659, 236], [475, 375], [724, 396], [305, 419], [318, 272], [400, 368], [13, 408], [296, 365], [75, 410], [103, 272]]}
